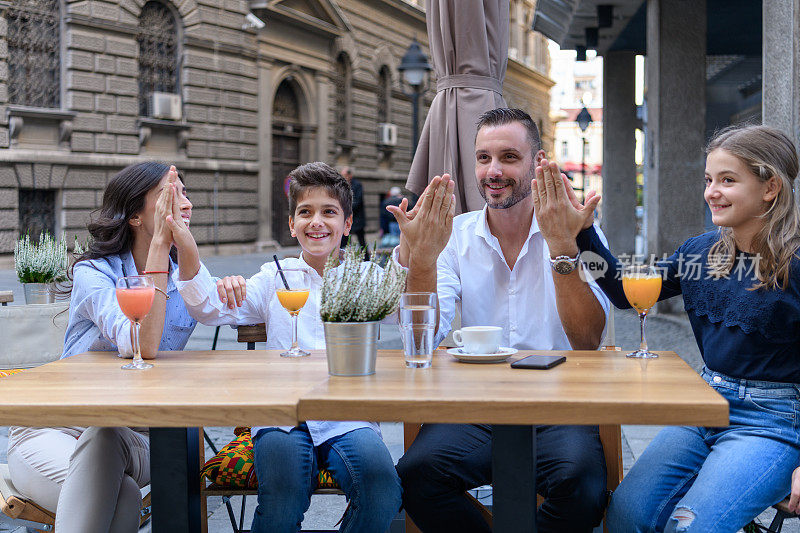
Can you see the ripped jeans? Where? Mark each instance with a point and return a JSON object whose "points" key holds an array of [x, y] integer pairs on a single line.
{"points": [[715, 479]]}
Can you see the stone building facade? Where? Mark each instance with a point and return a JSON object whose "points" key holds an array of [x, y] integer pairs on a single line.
{"points": [[235, 93]]}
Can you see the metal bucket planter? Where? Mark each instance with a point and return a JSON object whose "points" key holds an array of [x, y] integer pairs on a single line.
{"points": [[352, 347], [39, 293]]}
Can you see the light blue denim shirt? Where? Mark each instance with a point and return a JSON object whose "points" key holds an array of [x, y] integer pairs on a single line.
{"points": [[96, 322]]}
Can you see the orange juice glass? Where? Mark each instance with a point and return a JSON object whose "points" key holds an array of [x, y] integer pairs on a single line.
{"points": [[292, 300], [292, 287], [642, 286], [135, 297]]}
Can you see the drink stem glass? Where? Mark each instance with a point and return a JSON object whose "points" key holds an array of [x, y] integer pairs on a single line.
{"points": [[643, 342], [138, 362], [295, 348]]}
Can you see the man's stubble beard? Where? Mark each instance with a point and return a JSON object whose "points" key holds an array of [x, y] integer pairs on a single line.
{"points": [[518, 193]]}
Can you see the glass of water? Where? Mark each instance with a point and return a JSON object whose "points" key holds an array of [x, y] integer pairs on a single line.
{"points": [[418, 312]]}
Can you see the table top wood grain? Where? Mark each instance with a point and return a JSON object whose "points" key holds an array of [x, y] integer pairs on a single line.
{"points": [[183, 389], [241, 387], [591, 387]]}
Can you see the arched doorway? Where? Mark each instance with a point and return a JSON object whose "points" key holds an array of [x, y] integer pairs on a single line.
{"points": [[286, 134]]}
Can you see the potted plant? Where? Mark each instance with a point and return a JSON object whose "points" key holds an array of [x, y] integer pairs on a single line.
{"points": [[354, 300], [40, 265]]}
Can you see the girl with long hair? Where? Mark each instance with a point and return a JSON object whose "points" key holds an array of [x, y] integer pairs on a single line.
{"points": [[91, 477], [741, 290]]}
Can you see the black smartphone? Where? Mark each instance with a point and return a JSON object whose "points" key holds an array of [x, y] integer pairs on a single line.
{"points": [[539, 362]]}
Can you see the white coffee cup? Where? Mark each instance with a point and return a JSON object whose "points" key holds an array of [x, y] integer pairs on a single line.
{"points": [[479, 339]]}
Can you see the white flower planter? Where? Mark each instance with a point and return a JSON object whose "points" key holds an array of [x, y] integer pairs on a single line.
{"points": [[39, 293]]}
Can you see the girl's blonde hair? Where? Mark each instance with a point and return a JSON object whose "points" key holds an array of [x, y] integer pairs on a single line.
{"points": [[768, 153]]}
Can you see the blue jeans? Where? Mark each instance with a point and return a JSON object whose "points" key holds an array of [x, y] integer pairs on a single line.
{"points": [[287, 465], [715, 479]]}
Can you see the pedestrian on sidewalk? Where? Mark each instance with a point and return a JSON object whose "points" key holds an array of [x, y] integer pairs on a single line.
{"points": [[359, 214]]}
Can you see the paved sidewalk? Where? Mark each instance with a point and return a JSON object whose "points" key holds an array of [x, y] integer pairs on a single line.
{"points": [[663, 333]]}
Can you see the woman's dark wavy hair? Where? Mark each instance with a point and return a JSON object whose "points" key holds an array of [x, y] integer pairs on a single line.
{"points": [[123, 198]]}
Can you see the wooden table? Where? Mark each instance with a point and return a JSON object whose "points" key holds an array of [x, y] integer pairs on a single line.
{"points": [[227, 388], [182, 391], [591, 387]]}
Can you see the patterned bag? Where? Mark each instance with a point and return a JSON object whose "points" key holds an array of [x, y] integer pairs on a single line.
{"points": [[233, 466]]}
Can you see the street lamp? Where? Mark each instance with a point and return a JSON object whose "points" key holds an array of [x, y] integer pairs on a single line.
{"points": [[413, 67], [583, 119]]}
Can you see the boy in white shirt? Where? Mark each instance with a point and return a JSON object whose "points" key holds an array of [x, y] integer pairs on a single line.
{"points": [[287, 459]]}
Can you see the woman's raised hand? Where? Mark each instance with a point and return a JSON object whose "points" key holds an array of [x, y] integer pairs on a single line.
{"points": [[232, 290], [181, 235], [164, 207]]}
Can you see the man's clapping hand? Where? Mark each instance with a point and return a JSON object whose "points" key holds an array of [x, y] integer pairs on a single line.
{"points": [[559, 213], [426, 229]]}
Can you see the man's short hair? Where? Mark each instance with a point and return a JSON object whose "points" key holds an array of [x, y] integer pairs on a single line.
{"points": [[322, 175], [505, 115]]}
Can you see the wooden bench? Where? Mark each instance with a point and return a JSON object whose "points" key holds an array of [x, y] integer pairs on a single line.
{"points": [[6, 297], [20, 511]]}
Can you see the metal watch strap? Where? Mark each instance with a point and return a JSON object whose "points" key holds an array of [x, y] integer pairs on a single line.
{"points": [[557, 262]]}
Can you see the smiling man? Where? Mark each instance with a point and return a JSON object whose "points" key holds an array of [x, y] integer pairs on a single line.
{"points": [[506, 268]]}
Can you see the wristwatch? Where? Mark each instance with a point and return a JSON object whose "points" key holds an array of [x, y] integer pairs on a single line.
{"points": [[564, 264]]}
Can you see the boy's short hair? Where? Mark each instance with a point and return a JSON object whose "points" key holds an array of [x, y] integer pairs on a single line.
{"points": [[505, 115], [319, 174]]}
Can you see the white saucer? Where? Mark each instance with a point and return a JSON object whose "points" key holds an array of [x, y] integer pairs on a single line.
{"points": [[498, 357]]}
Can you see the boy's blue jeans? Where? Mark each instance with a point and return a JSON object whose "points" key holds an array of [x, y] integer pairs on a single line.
{"points": [[715, 479], [287, 465]]}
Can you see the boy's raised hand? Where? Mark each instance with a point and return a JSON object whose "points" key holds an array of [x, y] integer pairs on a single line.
{"points": [[232, 290], [426, 229], [559, 213]]}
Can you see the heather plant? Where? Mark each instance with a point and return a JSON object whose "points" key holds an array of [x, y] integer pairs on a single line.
{"points": [[353, 293], [43, 262]]}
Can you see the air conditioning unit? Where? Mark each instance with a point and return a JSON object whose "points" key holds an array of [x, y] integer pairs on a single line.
{"points": [[387, 134], [166, 105]]}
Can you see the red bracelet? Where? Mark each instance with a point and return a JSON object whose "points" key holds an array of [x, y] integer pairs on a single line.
{"points": [[156, 272]]}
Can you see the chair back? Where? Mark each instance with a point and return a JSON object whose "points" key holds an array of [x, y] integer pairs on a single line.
{"points": [[252, 333]]}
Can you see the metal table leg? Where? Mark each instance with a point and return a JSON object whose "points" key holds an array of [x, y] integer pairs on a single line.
{"points": [[514, 479], [175, 479]]}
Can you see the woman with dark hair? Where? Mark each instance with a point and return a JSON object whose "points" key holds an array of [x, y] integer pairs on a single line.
{"points": [[91, 477]]}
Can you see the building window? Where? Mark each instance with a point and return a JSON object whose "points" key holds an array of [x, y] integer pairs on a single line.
{"points": [[564, 149], [285, 108], [34, 53], [344, 82], [37, 212], [158, 53], [384, 94]]}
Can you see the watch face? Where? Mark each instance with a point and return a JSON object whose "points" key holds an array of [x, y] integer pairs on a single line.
{"points": [[563, 266]]}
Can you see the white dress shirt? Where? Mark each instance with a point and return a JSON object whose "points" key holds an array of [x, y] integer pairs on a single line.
{"points": [[262, 305], [473, 274]]}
